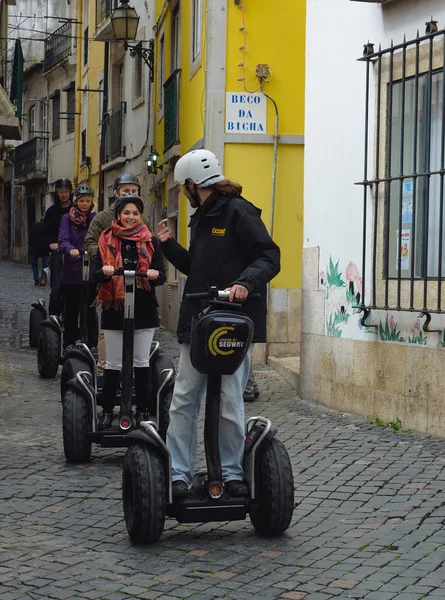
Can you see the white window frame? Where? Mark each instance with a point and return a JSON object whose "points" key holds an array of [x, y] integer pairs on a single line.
{"points": [[196, 36], [44, 117], [138, 69], [32, 122]]}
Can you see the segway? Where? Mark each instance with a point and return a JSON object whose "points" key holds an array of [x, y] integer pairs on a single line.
{"points": [[84, 356], [79, 404], [220, 342], [36, 316]]}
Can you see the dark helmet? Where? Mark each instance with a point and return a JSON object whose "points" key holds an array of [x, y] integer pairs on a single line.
{"points": [[126, 178], [63, 184], [127, 199], [83, 190]]}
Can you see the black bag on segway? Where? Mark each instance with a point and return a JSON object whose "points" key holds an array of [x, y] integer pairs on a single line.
{"points": [[220, 342]]}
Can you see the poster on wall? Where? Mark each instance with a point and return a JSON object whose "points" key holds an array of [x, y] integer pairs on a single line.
{"points": [[407, 201], [245, 113], [404, 250]]}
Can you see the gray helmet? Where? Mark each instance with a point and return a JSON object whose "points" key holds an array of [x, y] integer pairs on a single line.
{"points": [[83, 190], [63, 184], [127, 199], [126, 178]]}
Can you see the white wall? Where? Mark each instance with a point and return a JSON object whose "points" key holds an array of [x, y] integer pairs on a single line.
{"points": [[36, 27], [335, 109], [334, 128]]}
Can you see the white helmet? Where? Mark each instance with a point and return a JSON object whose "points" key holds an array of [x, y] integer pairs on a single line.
{"points": [[201, 166]]}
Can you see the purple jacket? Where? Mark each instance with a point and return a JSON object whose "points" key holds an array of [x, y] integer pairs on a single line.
{"points": [[71, 237]]}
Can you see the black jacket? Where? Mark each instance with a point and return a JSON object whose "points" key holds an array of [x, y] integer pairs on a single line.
{"points": [[145, 303], [228, 244], [52, 219], [39, 239]]}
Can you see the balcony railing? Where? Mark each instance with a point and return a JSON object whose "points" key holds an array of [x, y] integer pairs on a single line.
{"points": [[31, 158], [171, 110], [58, 47], [103, 9], [113, 123]]}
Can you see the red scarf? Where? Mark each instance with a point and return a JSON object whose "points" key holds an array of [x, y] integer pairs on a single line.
{"points": [[78, 217], [112, 293]]}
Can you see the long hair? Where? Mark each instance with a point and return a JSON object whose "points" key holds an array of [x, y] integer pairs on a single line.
{"points": [[228, 188]]}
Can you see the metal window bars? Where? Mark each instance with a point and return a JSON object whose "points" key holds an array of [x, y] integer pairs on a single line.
{"points": [[403, 254]]}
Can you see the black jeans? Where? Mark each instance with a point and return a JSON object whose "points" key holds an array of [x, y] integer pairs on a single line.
{"points": [[55, 304], [72, 294]]}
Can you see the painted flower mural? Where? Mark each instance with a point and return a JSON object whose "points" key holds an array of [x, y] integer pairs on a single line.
{"points": [[342, 295], [417, 336]]}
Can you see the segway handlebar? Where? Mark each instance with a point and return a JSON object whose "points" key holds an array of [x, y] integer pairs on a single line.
{"points": [[215, 294], [121, 272]]}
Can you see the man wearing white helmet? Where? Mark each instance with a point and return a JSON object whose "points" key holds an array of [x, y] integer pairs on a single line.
{"points": [[230, 248]]}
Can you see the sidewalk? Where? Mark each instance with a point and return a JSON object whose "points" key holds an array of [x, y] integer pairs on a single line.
{"points": [[369, 520]]}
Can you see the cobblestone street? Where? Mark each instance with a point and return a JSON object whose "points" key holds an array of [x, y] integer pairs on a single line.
{"points": [[369, 521]]}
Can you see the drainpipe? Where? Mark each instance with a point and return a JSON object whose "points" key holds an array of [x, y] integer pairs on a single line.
{"points": [[101, 202], [78, 94], [276, 139]]}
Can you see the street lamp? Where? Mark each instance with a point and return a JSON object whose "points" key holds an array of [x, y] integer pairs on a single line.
{"points": [[152, 162], [125, 21]]}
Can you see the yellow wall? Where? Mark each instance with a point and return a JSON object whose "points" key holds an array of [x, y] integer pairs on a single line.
{"points": [[251, 165], [88, 77], [192, 97], [274, 35]]}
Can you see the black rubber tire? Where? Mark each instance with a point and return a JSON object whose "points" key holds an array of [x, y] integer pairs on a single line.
{"points": [[36, 316], [48, 352], [272, 510], [70, 368], [76, 427], [144, 493]]}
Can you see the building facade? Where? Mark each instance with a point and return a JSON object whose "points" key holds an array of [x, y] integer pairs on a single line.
{"points": [[124, 110], [230, 78], [372, 312]]}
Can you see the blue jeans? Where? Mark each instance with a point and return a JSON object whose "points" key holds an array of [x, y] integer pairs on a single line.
{"points": [[34, 260], [190, 386], [55, 303]]}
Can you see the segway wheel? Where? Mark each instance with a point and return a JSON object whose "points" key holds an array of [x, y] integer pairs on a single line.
{"points": [[144, 493], [271, 511], [76, 427], [36, 316], [70, 368], [48, 352]]}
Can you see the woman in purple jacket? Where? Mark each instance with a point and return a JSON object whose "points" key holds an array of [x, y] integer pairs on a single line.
{"points": [[72, 233]]}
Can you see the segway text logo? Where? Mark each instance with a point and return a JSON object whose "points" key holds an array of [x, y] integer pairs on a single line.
{"points": [[216, 231], [223, 346]]}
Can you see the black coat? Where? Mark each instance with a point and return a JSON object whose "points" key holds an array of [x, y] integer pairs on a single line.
{"points": [[39, 239], [145, 303], [52, 219], [229, 244]]}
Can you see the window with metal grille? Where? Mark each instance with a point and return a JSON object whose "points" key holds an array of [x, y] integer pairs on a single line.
{"points": [[56, 118], [403, 217]]}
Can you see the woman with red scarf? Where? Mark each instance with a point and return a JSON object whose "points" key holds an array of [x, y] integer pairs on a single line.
{"points": [[72, 233], [129, 244]]}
